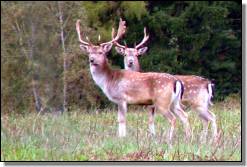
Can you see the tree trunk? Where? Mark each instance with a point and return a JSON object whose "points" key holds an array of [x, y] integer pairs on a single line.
{"points": [[38, 104], [65, 103], [30, 41]]}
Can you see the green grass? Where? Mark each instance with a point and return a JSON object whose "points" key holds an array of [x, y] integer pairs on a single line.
{"points": [[79, 136]]}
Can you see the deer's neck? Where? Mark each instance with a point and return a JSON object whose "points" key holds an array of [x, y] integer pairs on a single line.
{"points": [[102, 75], [108, 80]]}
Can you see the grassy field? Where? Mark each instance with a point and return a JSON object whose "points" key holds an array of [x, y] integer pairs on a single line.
{"points": [[79, 136]]}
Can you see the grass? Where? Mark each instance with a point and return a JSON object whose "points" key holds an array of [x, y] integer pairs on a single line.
{"points": [[80, 136]]}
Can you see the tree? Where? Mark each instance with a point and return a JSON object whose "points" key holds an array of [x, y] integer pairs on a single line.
{"points": [[65, 104]]}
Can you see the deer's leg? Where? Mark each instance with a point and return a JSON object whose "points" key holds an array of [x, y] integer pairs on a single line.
{"points": [[205, 124], [151, 119], [172, 120], [122, 109], [213, 125], [164, 106], [184, 118], [207, 117]]}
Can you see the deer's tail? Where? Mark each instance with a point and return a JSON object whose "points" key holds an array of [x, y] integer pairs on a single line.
{"points": [[211, 89], [178, 89]]}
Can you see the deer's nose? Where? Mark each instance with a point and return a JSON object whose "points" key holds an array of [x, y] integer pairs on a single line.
{"points": [[91, 60]]}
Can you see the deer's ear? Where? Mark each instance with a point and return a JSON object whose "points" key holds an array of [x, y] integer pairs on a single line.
{"points": [[107, 47], [142, 51], [84, 48], [120, 50]]}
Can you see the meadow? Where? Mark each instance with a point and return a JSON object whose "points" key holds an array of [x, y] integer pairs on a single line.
{"points": [[92, 136]]}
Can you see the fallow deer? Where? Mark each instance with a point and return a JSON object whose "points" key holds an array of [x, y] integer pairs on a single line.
{"points": [[198, 91], [124, 87]]}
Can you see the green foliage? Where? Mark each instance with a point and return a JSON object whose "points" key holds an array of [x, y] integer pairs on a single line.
{"points": [[197, 38], [134, 10]]}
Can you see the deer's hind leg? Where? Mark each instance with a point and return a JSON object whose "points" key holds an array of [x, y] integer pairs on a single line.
{"points": [[164, 109], [184, 119], [201, 106], [207, 117]]}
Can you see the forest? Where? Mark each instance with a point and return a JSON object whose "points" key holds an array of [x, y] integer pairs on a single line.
{"points": [[52, 110]]}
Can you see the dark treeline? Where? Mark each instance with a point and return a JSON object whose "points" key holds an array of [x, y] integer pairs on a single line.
{"points": [[39, 67]]}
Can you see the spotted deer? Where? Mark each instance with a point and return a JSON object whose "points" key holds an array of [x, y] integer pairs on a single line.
{"points": [[124, 87], [198, 91]]}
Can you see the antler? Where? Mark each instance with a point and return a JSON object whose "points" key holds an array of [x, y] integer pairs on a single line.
{"points": [[115, 42], [143, 40], [120, 32], [79, 33]]}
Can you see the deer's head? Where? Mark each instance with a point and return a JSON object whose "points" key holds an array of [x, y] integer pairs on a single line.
{"points": [[97, 53], [131, 54]]}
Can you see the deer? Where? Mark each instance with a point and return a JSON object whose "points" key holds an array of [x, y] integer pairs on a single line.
{"points": [[124, 87], [198, 91]]}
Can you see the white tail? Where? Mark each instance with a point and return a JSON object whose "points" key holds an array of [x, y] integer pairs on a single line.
{"points": [[127, 87], [179, 89], [210, 92]]}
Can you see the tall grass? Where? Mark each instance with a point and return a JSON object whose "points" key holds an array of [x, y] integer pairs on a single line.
{"points": [[82, 136]]}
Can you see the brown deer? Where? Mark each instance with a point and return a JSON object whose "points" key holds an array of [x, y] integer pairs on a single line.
{"points": [[198, 91], [124, 87]]}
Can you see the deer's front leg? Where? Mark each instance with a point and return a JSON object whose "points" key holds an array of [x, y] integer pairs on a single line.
{"points": [[122, 109], [151, 119]]}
